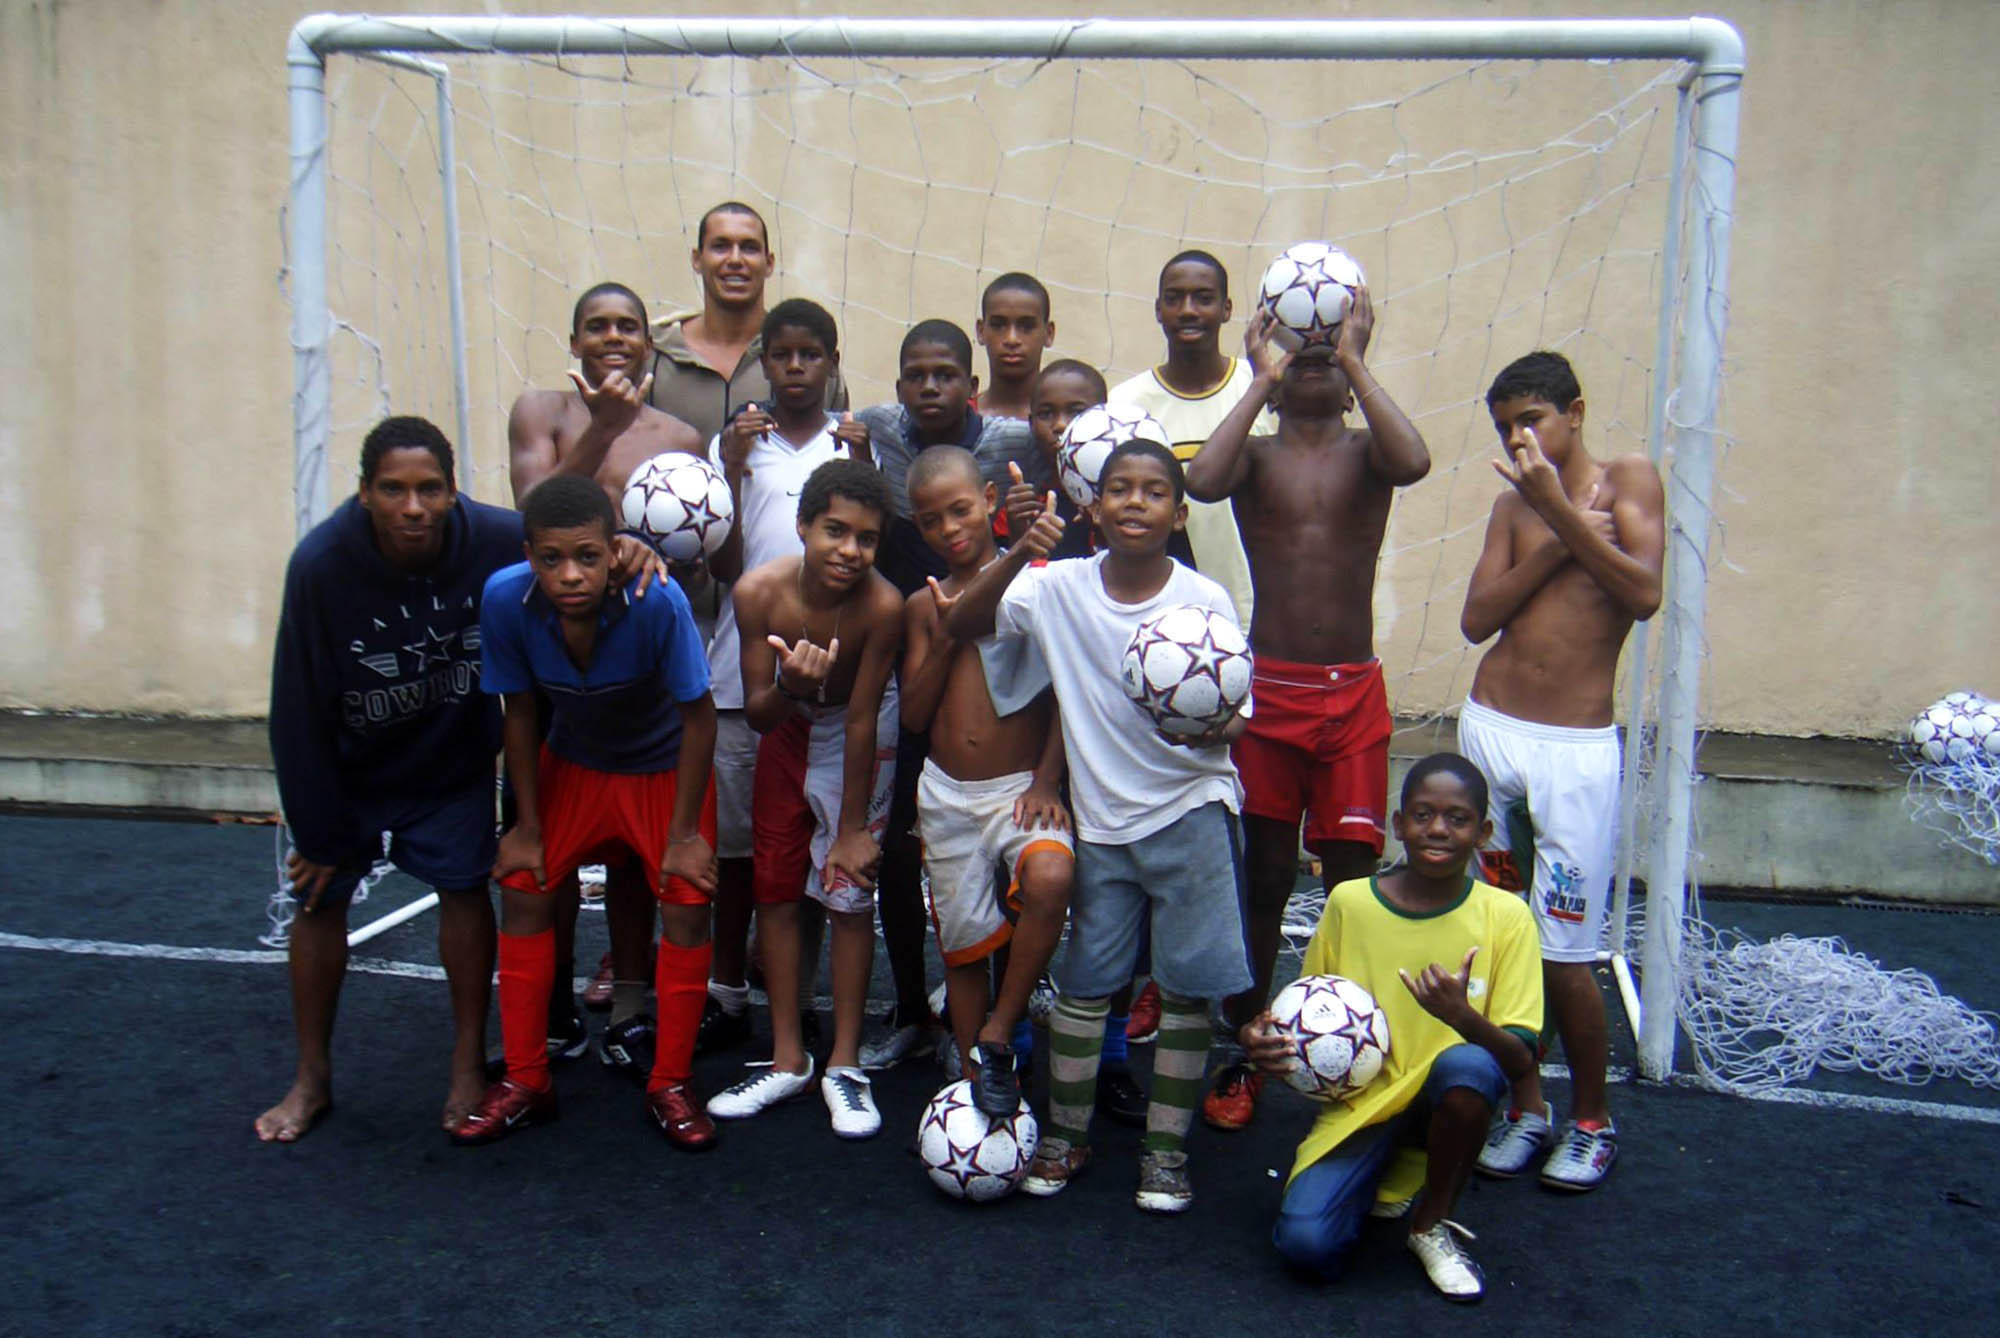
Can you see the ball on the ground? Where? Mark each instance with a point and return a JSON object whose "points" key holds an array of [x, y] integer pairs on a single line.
{"points": [[680, 503], [1188, 668], [1091, 437], [1927, 734], [967, 1153], [1337, 1031], [1959, 728], [1309, 289]]}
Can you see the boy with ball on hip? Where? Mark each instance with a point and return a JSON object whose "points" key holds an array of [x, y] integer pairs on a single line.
{"points": [[1157, 840], [1454, 966]]}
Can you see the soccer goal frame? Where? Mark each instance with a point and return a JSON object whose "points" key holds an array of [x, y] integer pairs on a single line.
{"points": [[1691, 324]]}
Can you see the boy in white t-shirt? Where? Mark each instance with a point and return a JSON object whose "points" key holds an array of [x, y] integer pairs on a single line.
{"points": [[1157, 836], [767, 451]]}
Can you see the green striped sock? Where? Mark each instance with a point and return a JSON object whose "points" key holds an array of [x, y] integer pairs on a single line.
{"points": [[1076, 1041], [1180, 1061]]}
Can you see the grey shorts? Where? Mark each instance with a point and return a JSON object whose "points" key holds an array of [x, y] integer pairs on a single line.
{"points": [[1185, 878]]}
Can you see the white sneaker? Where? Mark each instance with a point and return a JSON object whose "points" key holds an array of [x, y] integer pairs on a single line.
{"points": [[850, 1099], [1445, 1261], [1390, 1209], [764, 1088], [900, 1042], [1582, 1158], [1513, 1141]]}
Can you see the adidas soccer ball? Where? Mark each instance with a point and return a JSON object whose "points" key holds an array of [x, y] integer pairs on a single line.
{"points": [[1089, 440], [970, 1155], [1338, 1032], [681, 505], [1308, 289], [1189, 668]]}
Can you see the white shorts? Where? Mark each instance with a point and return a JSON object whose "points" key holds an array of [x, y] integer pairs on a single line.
{"points": [[968, 828], [1568, 779], [801, 766], [735, 769]]}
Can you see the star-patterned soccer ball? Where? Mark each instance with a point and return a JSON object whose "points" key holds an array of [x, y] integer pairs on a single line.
{"points": [[1309, 288], [1188, 668], [1960, 728], [1089, 440], [680, 503], [1337, 1031], [970, 1155]]}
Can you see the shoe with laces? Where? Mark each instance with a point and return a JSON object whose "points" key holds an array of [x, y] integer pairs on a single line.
{"points": [[1513, 1140], [627, 1047], [505, 1107], [1143, 1023], [1163, 1183], [568, 1037], [720, 1029], [1582, 1158], [996, 1086], [678, 1113], [1057, 1162], [764, 1088], [1233, 1100], [900, 1041], [850, 1099], [1446, 1263], [597, 994], [1120, 1097]]}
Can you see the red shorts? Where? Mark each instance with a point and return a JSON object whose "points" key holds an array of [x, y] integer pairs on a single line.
{"points": [[1318, 743], [592, 817]]}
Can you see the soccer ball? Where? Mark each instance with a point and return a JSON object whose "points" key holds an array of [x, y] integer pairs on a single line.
{"points": [[970, 1155], [1089, 440], [681, 505], [1188, 668], [1960, 728], [1929, 732], [1337, 1031], [1308, 289]]}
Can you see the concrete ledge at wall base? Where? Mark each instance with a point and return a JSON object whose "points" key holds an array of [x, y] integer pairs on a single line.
{"points": [[1791, 817]]}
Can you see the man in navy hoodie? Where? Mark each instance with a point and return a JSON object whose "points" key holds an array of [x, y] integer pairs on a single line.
{"points": [[378, 725]]}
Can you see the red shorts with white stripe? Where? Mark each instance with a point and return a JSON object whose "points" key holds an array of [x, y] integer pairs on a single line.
{"points": [[1318, 744]]}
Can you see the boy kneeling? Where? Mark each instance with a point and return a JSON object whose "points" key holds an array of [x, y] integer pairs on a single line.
{"points": [[1457, 1038], [626, 772]]}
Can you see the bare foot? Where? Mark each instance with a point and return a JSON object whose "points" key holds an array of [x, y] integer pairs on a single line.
{"points": [[290, 1119], [466, 1089]]}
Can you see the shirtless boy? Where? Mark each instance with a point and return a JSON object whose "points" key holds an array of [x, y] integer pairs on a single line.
{"points": [[820, 634], [989, 794], [603, 429], [1572, 559], [1312, 503]]}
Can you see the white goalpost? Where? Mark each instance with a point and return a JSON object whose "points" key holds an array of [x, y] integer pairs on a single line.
{"points": [[1507, 185]]}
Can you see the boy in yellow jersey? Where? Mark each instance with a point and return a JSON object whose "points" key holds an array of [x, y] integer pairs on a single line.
{"points": [[1456, 966]]}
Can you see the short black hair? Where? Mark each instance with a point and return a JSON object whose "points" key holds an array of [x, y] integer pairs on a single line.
{"points": [[1199, 257], [730, 207], [406, 432], [1454, 765], [856, 480], [943, 333], [934, 462], [605, 290], [1073, 367], [798, 313], [1152, 450], [566, 502], [1015, 281], [1542, 375]]}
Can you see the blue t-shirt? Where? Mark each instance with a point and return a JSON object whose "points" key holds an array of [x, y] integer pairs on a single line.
{"points": [[622, 714]]}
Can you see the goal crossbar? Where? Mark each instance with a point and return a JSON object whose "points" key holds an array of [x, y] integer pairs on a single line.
{"points": [[1711, 48]]}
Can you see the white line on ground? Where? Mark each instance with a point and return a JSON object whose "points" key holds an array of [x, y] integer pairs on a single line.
{"points": [[379, 966]]}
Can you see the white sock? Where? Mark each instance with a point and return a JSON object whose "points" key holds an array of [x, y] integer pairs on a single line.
{"points": [[733, 999]]}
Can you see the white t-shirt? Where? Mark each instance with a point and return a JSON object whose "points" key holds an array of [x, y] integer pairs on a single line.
{"points": [[1125, 782], [1188, 419], [767, 511]]}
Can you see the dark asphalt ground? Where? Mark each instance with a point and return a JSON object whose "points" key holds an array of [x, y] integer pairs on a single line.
{"points": [[137, 1200]]}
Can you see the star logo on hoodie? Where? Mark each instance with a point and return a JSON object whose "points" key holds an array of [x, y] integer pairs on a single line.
{"points": [[434, 647]]}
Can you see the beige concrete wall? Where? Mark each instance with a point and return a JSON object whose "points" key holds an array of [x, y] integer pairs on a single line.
{"points": [[145, 466]]}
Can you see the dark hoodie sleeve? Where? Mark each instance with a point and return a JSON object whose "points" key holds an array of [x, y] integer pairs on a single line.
{"points": [[305, 718]]}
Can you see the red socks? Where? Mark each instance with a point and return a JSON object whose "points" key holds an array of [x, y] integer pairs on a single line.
{"points": [[527, 974], [680, 980]]}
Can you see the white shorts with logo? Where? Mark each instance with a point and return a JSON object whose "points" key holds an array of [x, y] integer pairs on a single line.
{"points": [[968, 828], [1568, 780]]}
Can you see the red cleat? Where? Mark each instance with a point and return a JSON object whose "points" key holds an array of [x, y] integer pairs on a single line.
{"points": [[1233, 1099], [1143, 1024], [597, 994], [682, 1117], [507, 1106]]}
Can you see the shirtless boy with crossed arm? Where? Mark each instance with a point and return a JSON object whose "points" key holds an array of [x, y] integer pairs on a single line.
{"points": [[1572, 559], [1312, 504]]}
